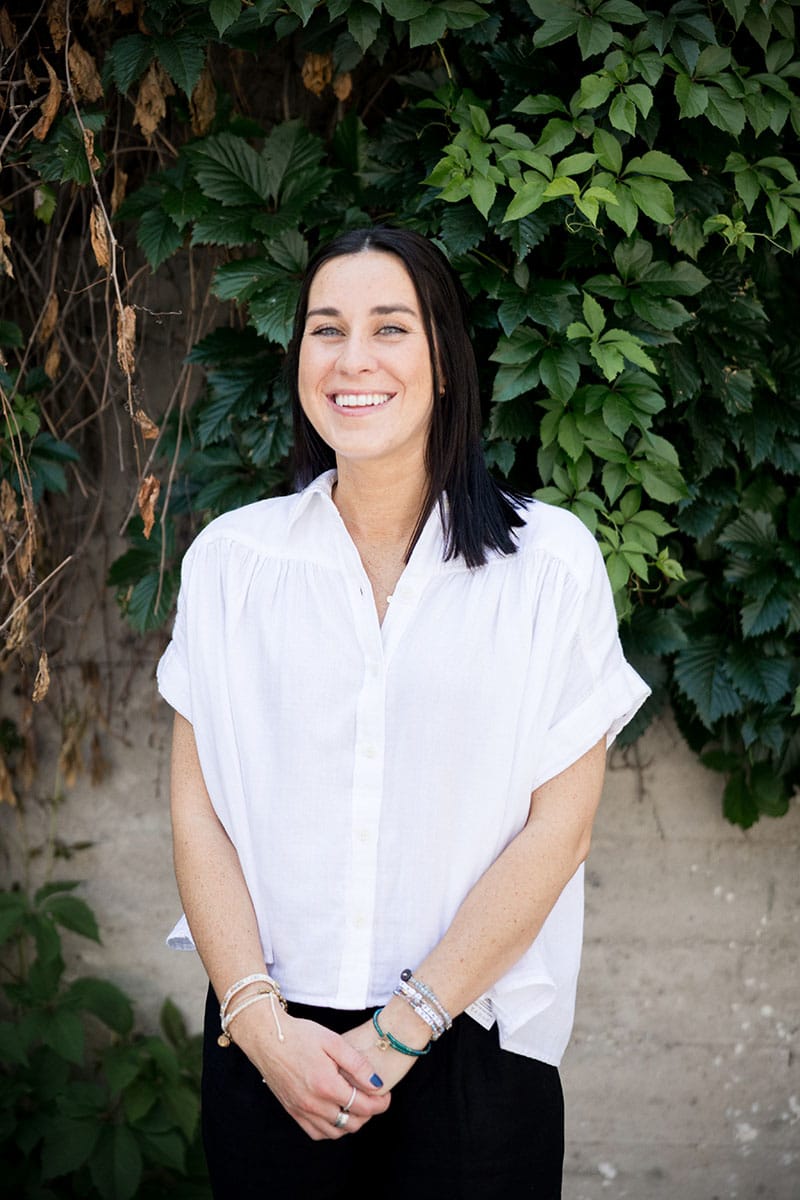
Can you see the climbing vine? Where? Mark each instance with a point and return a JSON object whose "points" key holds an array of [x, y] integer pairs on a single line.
{"points": [[615, 183]]}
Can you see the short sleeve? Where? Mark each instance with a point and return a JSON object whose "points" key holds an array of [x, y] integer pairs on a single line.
{"points": [[591, 690], [173, 668]]}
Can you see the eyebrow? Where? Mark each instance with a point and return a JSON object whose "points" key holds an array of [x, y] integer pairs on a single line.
{"points": [[380, 310]]}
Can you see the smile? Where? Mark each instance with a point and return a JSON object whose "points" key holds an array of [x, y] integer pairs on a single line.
{"points": [[361, 399]]}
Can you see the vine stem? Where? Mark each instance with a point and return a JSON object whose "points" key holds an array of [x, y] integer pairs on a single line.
{"points": [[38, 588]]}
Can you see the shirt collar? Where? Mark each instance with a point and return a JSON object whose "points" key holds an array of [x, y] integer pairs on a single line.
{"points": [[428, 555]]}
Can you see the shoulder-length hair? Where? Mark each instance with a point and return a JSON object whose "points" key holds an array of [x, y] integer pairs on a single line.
{"points": [[480, 513]]}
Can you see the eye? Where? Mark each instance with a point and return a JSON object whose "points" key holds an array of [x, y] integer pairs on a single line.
{"points": [[391, 330], [325, 331]]}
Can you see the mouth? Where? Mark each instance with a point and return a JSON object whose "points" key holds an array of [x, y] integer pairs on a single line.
{"points": [[361, 399]]}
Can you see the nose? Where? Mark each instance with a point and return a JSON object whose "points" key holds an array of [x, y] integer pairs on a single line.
{"points": [[356, 354]]}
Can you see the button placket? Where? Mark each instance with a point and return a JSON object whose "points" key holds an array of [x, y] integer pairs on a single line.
{"points": [[367, 796]]}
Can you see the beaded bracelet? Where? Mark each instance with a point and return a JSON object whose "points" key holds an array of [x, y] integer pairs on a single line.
{"points": [[386, 1039], [423, 1010], [407, 976]]}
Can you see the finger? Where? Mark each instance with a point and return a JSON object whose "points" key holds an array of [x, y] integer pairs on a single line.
{"points": [[355, 1066]]}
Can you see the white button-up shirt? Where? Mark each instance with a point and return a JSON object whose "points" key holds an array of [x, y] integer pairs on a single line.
{"points": [[369, 774]]}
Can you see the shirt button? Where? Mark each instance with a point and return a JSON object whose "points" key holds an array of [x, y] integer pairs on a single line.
{"points": [[369, 752], [359, 922], [363, 835]]}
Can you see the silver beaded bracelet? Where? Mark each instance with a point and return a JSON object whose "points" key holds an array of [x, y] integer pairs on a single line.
{"points": [[407, 976], [423, 1010]]}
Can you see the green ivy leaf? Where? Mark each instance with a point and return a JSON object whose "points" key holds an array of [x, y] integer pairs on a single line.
{"points": [[702, 676], [653, 197], [127, 60], [72, 913], [62, 1031], [428, 28], [104, 1000], [272, 312], [229, 170], [158, 236], [765, 680], [116, 1163], [182, 55], [363, 22], [738, 804], [67, 1145], [223, 13], [559, 371]]}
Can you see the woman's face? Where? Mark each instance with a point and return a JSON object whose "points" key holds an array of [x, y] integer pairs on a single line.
{"points": [[364, 374]]}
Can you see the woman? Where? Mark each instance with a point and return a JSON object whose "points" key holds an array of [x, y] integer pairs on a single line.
{"points": [[393, 695]]}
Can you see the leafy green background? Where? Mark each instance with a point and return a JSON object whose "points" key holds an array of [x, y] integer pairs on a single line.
{"points": [[616, 185]]}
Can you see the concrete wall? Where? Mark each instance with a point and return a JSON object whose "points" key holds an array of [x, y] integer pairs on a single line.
{"points": [[682, 1080]]}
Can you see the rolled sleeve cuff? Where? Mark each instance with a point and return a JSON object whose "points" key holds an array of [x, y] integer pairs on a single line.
{"points": [[605, 711], [173, 682]]}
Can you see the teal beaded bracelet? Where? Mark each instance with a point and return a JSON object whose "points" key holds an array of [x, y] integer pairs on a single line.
{"points": [[387, 1040]]}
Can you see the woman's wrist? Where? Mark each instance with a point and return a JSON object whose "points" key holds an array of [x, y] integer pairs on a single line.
{"points": [[399, 1019]]}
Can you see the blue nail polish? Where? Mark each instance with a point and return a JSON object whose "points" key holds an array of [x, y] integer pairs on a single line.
{"points": [[376, 1081]]}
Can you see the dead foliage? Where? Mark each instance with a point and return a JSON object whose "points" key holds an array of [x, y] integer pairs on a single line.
{"points": [[203, 104], [147, 499], [57, 22], [126, 339], [99, 237], [50, 106], [151, 101], [5, 244], [83, 73], [317, 72]]}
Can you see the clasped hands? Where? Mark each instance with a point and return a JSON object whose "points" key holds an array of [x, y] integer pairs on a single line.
{"points": [[313, 1071]]}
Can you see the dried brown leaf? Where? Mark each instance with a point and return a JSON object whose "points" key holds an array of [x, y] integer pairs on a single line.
{"points": [[96, 9], [41, 684], [147, 498], [5, 244], [8, 504], [150, 430], [8, 32], [50, 106], [203, 103], [151, 102], [118, 190], [99, 237], [343, 86], [26, 552], [30, 77], [7, 793], [49, 319], [18, 632], [83, 70], [52, 361], [57, 22], [88, 142], [317, 72], [126, 339]]}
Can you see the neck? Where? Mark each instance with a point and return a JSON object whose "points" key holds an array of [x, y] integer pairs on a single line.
{"points": [[379, 506]]}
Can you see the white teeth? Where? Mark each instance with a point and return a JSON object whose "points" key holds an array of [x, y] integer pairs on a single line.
{"points": [[361, 399]]}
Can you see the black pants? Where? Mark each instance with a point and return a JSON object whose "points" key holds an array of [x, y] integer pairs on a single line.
{"points": [[469, 1122]]}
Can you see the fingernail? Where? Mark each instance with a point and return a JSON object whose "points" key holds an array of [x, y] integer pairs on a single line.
{"points": [[376, 1081]]}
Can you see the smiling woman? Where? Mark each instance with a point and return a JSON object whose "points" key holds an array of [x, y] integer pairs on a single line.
{"points": [[393, 694]]}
